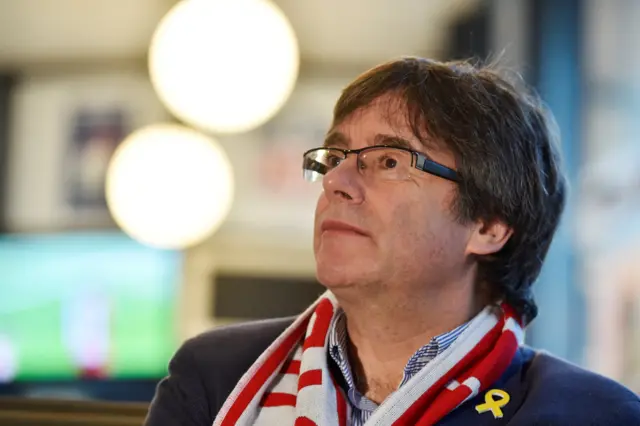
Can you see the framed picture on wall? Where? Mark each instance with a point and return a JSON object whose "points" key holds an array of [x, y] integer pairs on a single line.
{"points": [[65, 129], [95, 133], [272, 196], [301, 125]]}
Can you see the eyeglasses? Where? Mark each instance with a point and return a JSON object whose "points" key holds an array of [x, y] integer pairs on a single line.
{"points": [[380, 162]]}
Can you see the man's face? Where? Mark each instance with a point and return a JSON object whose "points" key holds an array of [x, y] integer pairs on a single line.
{"points": [[411, 237]]}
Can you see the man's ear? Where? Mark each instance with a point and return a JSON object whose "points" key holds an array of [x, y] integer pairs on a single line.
{"points": [[488, 237]]}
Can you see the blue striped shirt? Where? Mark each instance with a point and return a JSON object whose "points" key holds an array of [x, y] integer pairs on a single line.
{"points": [[361, 406]]}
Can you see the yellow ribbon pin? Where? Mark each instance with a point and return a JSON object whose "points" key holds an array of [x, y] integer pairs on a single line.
{"points": [[490, 403]]}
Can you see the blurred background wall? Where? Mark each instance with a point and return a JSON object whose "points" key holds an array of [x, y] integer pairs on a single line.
{"points": [[90, 311]]}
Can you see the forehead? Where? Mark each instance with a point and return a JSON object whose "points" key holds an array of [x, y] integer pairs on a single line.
{"points": [[383, 119]]}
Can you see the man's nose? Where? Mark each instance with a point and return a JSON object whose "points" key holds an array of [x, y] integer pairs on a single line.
{"points": [[344, 182]]}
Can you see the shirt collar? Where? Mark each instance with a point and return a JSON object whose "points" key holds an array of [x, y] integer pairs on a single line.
{"points": [[338, 350]]}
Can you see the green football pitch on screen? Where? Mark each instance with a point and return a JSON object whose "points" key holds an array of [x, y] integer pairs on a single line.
{"points": [[85, 306]]}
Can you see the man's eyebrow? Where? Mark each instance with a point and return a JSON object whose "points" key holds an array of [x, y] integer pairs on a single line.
{"points": [[382, 139], [335, 139], [339, 140]]}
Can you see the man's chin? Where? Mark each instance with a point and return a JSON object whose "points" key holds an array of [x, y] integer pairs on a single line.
{"points": [[335, 284], [332, 276], [336, 270], [338, 278]]}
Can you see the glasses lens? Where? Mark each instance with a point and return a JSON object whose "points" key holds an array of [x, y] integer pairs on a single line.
{"points": [[319, 162], [386, 163]]}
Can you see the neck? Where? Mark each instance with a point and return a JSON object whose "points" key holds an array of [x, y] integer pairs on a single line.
{"points": [[385, 331]]}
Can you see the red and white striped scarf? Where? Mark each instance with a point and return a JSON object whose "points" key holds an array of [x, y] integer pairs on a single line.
{"points": [[291, 385]]}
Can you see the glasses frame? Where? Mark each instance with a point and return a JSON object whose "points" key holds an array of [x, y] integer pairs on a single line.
{"points": [[418, 160]]}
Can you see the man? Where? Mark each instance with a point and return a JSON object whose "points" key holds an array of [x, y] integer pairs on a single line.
{"points": [[442, 192]]}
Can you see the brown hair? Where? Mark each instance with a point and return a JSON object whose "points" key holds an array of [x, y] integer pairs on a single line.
{"points": [[506, 151]]}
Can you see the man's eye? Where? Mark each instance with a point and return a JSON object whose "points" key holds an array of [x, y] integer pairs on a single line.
{"points": [[389, 163], [333, 160]]}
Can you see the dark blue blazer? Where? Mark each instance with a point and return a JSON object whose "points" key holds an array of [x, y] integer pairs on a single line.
{"points": [[543, 390]]}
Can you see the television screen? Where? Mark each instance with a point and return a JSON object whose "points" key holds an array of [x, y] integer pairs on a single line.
{"points": [[85, 306]]}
